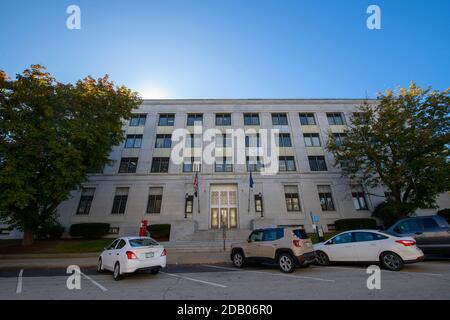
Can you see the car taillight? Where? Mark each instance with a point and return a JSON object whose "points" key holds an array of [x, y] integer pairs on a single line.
{"points": [[297, 243], [131, 255], [406, 243], [164, 253]]}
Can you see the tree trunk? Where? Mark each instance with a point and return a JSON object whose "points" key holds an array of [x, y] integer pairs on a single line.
{"points": [[28, 238]]}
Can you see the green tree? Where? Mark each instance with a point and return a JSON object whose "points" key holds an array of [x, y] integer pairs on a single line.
{"points": [[401, 141], [51, 135]]}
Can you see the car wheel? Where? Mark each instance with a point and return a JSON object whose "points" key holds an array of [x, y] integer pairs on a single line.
{"points": [[154, 271], [238, 259], [117, 275], [286, 263], [322, 258], [100, 265], [391, 261]]}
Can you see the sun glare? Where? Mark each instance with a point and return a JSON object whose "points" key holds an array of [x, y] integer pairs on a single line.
{"points": [[154, 93]]}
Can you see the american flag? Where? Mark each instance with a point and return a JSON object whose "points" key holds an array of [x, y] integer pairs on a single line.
{"points": [[196, 185]]}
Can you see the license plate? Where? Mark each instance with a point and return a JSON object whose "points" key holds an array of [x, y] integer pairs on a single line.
{"points": [[149, 255]]}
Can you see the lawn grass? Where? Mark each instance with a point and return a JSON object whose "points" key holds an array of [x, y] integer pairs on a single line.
{"points": [[54, 246]]}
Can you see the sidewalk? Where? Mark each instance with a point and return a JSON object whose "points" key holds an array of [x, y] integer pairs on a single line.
{"points": [[174, 256]]}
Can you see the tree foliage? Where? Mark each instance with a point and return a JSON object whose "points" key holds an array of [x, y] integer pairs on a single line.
{"points": [[51, 135], [400, 142]]}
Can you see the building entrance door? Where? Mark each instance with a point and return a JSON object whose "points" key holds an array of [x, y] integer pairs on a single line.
{"points": [[224, 206]]}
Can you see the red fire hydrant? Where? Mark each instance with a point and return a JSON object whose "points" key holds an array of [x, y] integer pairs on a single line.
{"points": [[143, 228]]}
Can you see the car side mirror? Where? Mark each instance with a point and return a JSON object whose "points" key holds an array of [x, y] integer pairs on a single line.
{"points": [[249, 240], [105, 249]]}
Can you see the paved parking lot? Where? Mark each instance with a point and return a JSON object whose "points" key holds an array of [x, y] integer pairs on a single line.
{"points": [[428, 280]]}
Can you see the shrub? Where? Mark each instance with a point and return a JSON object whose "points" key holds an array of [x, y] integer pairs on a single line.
{"points": [[351, 224], [89, 230], [160, 232], [390, 212], [52, 230], [445, 213]]}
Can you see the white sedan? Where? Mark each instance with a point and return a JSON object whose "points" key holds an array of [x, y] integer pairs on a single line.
{"points": [[369, 246], [131, 254]]}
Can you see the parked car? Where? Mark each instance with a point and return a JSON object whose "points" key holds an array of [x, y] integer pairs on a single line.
{"points": [[432, 233], [287, 247], [371, 247], [131, 254]]}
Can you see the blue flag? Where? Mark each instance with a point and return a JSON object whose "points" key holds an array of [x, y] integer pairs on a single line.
{"points": [[251, 180]]}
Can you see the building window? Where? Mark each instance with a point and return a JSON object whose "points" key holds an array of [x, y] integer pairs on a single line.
{"points": [[224, 165], [251, 119], [160, 165], [138, 120], [279, 119], [154, 201], [292, 198], [189, 205], [307, 119], [120, 201], [359, 117], [284, 140], [335, 119], [133, 141], [317, 163], [253, 141], [192, 165], [344, 164], [286, 164], [359, 198], [339, 138], [223, 141], [326, 198], [163, 141], [194, 119], [114, 230], [128, 165], [223, 119], [87, 196], [312, 140], [254, 164], [166, 120], [258, 203], [193, 141]]}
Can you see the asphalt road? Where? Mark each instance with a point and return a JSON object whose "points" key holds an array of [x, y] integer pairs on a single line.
{"points": [[427, 280]]}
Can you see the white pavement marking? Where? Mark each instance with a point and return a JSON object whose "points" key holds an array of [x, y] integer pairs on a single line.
{"points": [[274, 274], [19, 282], [196, 280], [94, 282]]}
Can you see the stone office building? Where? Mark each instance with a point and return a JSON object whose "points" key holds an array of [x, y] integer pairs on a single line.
{"points": [[143, 182]]}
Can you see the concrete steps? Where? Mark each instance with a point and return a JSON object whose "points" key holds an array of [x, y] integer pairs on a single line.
{"points": [[234, 235]]}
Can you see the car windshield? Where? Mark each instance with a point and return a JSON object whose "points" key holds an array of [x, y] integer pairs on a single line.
{"points": [[142, 242]]}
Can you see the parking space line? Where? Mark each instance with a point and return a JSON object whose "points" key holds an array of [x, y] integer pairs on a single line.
{"points": [[19, 282], [195, 280], [274, 274], [94, 282]]}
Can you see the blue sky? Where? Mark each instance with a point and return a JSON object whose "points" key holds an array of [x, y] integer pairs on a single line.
{"points": [[233, 48]]}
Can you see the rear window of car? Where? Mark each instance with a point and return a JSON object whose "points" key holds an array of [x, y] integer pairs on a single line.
{"points": [[136, 243], [301, 234]]}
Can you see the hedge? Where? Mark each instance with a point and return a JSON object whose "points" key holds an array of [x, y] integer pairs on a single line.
{"points": [[159, 231], [89, 230], [352, 224]]}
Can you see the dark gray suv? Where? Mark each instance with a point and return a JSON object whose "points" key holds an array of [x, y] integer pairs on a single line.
{"points": [[432, 233]]}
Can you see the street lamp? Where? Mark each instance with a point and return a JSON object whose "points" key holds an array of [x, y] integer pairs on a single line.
{"points": [[185, 205]]}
